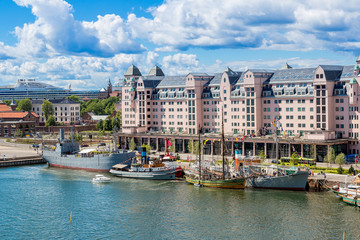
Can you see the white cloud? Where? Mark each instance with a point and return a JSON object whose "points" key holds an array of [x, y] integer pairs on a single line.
{"points": [[180, 63], [55, 32]]}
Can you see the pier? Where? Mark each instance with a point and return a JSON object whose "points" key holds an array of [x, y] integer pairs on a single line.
{"points": [[21, 161]]}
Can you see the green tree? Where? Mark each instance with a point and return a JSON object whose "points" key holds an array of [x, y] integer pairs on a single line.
{"points": [[8, 102], [78, 137], [99, 125], [148, 148], [294, 159], [340, 159], [47, 108], [132, 145], [190, 146], [330, 157], [74, 98], [50, 121], [172, 147], [262, 155], [115, 122], [107, 125], [18, 132], [24, 105]]}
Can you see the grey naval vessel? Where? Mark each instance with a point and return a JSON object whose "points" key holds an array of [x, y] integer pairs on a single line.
{"points": [[66, 154]]}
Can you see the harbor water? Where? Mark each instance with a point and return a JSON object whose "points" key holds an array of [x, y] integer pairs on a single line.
{"points": [[36, 203]]}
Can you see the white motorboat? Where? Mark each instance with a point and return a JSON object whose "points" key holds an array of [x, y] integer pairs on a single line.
{"points": [[101, 179], [155, 170]]}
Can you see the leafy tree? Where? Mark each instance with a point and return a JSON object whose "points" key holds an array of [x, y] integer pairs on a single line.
{"points": [[115, 122], [190, 146], [330, 157], [294, 159], [74, 98], [148, 148], [340, 159], [107, 125], [47, 108], [172, 147], [132, 145], [50, 121], [18, 133], [24, 105], [262, 155], [8, 102], [340, 170], [78, 137], [351, 169], [99, 125]]}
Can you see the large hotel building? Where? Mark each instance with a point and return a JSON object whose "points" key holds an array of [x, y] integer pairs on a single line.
{"points": [[313, 108]]}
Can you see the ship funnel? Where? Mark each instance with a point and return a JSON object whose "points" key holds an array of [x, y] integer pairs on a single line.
{"points": [[62, 136]]}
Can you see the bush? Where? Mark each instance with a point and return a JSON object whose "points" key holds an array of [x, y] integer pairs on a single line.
{"points": [[340, 170], [351, 169]]}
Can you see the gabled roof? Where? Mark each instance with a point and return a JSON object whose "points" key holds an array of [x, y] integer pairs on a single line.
{"points": [[332, 72], [156, 71], [12, 115], [132, 71], [4, 107]]}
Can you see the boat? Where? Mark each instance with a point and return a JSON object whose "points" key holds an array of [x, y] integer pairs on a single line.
{"points": [[270, 177], [351, 199], [155, 170], [212, 179], [282, 178], [101, 179], [66, 154]]}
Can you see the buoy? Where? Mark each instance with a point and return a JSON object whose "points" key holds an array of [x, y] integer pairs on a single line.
{"points": [[70, 217]]}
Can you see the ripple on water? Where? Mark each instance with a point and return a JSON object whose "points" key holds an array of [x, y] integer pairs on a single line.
{"points": [[39, 200]]}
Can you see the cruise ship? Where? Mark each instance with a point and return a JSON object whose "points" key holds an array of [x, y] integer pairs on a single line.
{"points": [[30, 88]]}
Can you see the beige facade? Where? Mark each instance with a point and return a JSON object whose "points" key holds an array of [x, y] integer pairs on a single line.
{"points": [[65, 111]]}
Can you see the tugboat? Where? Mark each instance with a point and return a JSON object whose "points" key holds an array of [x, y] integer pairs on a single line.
{"points": [[154, 170], [66, 154]]}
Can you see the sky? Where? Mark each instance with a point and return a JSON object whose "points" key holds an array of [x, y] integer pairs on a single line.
{"points": [[86, 42]]}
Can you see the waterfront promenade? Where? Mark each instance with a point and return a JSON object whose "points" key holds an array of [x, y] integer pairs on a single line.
{"points": [[15, 150]]}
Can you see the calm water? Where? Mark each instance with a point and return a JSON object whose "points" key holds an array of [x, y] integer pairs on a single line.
{"points": [[36, 201]]}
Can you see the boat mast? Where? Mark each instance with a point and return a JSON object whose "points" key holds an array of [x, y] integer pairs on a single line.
{"points": [[115, 140], [199, 154], [222, 143], [276, 146], [72, 139]]}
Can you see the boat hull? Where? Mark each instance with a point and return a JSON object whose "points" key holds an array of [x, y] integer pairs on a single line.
{"points": [[350, 200], [161, 175], [295, 181], [238, 183], [97, 163]]}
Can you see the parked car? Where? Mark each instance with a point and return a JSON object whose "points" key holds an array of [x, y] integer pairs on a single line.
{"points": [[84, 145], [275, 161], [101, 144]]}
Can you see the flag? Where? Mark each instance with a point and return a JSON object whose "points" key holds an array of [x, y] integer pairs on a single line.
{"points": [[241, 139], [169, 143], [237, 139]]}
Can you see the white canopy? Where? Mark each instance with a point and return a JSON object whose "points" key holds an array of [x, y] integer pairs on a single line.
{"points": [[87, 150]]}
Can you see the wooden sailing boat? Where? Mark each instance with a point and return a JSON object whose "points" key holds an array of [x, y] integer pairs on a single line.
{"points": [[213, 180]]}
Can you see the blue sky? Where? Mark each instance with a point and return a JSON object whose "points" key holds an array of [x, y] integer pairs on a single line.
{"points": [[86, 42]]}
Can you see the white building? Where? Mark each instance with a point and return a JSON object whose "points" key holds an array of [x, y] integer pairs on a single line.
{"points": [[65, 110]]}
